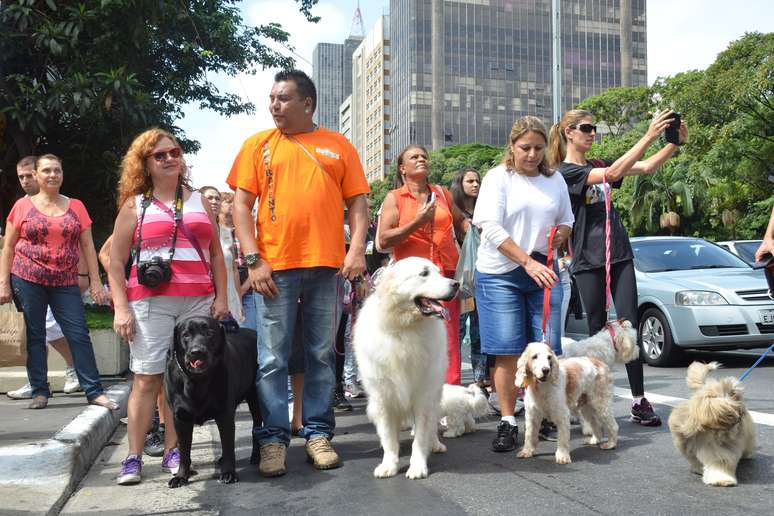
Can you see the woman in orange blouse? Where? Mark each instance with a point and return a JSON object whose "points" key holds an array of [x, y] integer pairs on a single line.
{"points": [[419, 219]]}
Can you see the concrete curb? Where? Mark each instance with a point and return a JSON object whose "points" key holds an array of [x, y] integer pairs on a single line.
{"points": [[39, 478]]}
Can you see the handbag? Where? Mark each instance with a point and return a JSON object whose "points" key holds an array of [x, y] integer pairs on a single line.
{"points": [[13, 337], [466, 267]]}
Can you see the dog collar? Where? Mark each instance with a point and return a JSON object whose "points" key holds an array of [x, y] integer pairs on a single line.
{"points": [[177, 362]]}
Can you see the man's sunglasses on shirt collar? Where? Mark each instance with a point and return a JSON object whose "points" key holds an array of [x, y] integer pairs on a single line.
{"points": [[160, 156], [585, 128]]}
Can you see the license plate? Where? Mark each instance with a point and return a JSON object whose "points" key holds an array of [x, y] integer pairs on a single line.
{"points": [[767, 316]]}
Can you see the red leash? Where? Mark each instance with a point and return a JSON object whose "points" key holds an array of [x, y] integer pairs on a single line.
{"points": [[547, 291]]}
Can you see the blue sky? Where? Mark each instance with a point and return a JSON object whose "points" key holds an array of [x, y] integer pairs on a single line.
{"points": [[682, 35]]}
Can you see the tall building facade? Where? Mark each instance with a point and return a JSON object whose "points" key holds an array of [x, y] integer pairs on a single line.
{"points": [[498, 63], [371, 101], [332, 76]]}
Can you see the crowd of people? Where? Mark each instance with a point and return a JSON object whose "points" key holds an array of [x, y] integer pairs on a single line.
{"points": [[279, 255]]}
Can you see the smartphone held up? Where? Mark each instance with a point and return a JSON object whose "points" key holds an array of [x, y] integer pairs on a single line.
{"points": [[672, 132]]}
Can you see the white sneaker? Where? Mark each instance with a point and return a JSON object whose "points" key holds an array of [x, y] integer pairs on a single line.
{"points": [[22, 393], [71, 381]]}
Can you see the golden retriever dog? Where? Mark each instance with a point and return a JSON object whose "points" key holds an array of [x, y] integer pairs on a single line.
{"points": [[616, 342], [554, 387], [713, 429], [400, 346]]}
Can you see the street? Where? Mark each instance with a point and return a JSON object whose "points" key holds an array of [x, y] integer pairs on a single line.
{"points": [[644, 475]]}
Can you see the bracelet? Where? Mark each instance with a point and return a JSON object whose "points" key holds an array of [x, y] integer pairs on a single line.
{"points": [[83, 275]]}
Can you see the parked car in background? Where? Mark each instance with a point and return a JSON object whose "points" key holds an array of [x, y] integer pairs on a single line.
{"points": [[693, 294], [744, 249]]}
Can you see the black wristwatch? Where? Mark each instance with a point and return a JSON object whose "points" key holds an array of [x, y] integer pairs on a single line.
{"points": [[251, 259]]}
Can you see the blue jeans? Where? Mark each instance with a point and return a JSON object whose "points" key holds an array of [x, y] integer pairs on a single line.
{"points": [[478, 360], [249, 309], [350, 365], [67, 306], [510, 311], [320, 311]]}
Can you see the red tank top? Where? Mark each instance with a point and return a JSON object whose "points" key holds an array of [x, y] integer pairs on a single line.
{"points": [[434, 240]]}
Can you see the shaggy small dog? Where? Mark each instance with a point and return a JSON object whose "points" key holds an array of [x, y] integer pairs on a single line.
{"points": [[554, 387], [617, 342], [400, 345], [461, 406], [713, 429]]}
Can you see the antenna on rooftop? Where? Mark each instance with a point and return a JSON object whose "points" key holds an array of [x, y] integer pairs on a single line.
{"points": [[358, 28]]}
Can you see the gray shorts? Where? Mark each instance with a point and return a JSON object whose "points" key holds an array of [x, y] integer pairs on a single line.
{"points": [[155, 320]]}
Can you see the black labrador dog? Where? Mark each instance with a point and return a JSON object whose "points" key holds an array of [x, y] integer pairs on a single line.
{"points": [[209, 373]]}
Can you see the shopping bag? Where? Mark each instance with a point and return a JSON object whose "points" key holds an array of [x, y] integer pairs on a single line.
{"points": [[13, 337], [466, 267]]}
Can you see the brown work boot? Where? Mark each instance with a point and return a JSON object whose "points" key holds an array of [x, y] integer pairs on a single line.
{"points": [[320, 453], [273, 460]]}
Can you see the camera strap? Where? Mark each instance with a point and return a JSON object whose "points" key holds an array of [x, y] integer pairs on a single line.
{"points": [[177, 217]]}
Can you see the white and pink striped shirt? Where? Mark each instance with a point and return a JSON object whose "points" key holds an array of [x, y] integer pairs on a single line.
{"points": [[190, 277]]}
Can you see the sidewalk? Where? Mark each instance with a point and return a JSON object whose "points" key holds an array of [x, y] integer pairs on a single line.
{"points": [[45, 453]]}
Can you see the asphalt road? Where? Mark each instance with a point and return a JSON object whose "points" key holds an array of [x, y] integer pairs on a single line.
{"points": [[644, 475]]}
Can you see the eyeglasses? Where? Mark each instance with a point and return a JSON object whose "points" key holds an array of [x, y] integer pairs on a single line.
{"points": [[585, 128], [161, 156]]}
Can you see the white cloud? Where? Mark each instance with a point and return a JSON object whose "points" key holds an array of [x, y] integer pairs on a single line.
{"points": [[221, 137], [689, 34]]}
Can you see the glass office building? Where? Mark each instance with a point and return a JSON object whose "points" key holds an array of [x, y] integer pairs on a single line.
{"points": [[498, 63], [332, 76]]}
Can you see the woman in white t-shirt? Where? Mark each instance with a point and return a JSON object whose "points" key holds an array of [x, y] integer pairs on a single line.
{"points": [[518, 204]]}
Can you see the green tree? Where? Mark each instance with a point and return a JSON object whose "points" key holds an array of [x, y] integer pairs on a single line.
{"points": [[82, 79], [620, 108]]}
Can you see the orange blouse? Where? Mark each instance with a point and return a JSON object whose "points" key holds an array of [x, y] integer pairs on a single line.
{"points": [[434, 240]]}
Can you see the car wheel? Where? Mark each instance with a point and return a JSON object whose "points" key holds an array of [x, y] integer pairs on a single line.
{"points": [[658, 348]]}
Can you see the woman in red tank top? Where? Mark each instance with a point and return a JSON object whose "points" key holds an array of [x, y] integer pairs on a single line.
{"points": [[419, 219]]}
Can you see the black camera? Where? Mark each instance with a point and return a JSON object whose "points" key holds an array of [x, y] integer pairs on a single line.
{"points": [[154, 272]]}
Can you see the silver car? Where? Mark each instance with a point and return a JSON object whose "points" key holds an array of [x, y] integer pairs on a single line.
{"points": [[744, 249], [694, 294]]}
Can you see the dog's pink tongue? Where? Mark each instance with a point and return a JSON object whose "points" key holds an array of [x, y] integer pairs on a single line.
{"points": [[196, 364]]}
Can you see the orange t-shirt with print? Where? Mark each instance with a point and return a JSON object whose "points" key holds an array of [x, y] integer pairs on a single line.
{"points": [[300, 216]]}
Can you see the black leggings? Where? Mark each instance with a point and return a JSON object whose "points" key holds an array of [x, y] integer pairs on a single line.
{"points": [[623, 286], [339, 351]]}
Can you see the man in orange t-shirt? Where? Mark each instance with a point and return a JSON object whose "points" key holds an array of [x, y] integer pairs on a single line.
{"points": [[302, 176]]}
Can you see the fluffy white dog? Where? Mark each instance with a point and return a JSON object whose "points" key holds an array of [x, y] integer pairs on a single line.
{"points": [[461, 406], [616, 342], [713, 429], [400, 345], [554, 387]]}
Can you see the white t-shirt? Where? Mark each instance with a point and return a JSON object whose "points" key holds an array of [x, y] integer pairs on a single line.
{"points": [[519, 207]]}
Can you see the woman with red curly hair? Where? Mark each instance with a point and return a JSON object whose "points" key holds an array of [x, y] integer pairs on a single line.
{"points": [[177, 270]]}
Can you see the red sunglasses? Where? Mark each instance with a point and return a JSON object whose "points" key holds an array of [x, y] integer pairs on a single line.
{"points": [[160, 156]]}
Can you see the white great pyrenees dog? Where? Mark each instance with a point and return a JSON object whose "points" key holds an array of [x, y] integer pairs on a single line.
{"points": [[400, 345]]}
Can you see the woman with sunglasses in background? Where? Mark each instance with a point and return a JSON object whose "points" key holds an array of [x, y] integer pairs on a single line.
{"points": [[570, 140], [171, 277]]}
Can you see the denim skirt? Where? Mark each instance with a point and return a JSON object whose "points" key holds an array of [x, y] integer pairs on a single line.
{"points": [[510, 312]]}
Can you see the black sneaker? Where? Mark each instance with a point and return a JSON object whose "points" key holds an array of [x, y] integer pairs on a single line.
{"points": [[643, 414], [547, 431], [154, 443], [506, 437], [340, 403]]}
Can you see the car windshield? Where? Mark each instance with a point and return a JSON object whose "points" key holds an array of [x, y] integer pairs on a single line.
{"points": [[682, 255], [746, 250]]}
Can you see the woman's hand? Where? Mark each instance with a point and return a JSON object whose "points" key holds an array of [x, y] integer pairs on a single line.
{"points": [[426, 213], [767, 246], [5, 293], [543, 276], [123, 324], [98, 294], [219, 309], [682, 132], [659, 124]]}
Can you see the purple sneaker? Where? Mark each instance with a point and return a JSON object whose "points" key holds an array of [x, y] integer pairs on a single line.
{"points": [[171, 461], [131, 468], [643, 414]]}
